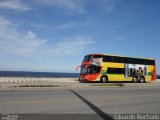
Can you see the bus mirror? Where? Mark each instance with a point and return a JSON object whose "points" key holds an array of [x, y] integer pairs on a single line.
{"points": [[77, 68]]}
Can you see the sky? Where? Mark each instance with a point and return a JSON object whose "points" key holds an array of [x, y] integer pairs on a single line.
{"points": [[55, 35]]}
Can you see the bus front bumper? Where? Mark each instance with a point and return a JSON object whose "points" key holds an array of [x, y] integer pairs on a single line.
{"points": [[87, 78]]}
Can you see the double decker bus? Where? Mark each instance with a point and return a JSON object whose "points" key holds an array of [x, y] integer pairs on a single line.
{"points": [[105, 68]]}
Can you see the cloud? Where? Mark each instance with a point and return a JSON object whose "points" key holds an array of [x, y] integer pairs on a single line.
{"points": [[120, 37], [59, 27], [73, 24], [28, 43], [13, 5], [67, 25], [17, 42], [73, 45], [72, 6], [108, 5]]}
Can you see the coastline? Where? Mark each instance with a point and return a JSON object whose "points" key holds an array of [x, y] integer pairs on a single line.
{"points": [[35, 79]]}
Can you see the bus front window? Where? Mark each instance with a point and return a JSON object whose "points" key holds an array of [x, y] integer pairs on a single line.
{"points": [[83, 70], [90, 69]]}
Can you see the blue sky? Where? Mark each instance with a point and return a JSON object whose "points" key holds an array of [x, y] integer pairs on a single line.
{"points": [[54, 35]]}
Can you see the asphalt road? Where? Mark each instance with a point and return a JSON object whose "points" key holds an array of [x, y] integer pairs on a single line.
{"points": [[96, 100]]}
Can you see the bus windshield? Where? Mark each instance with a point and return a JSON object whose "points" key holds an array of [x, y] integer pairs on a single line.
{"points": [[92, 69], [87, 58]]}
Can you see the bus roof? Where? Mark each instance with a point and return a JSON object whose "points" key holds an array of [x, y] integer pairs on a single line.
{"points": [[121, 56]]}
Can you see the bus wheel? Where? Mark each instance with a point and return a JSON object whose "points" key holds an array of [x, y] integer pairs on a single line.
{"points": [[142, 79], [134, 79], [103, 79]]}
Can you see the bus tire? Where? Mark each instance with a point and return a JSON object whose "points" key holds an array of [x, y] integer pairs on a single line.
{"points": [[142, 79], [135, 79], [104, 79]]}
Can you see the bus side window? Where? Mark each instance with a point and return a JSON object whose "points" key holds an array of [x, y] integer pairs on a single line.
{"points": [[107, 59], [152, 62], [122, 59], [145, 62], [116, 70], [110, 70], [127, 60], [133, 61], [136, 61], [113, 59], [141, 61], [118, 59]]}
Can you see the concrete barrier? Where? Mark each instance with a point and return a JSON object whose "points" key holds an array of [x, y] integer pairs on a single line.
{"points": [[29, 79], [157, 80]]}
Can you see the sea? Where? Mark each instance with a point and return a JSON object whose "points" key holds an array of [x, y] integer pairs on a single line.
{"points": [[41, 74], [38, 74]]}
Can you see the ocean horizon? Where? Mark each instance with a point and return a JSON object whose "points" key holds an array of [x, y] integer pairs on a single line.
{"points": [[41, 74], [38, 74]]}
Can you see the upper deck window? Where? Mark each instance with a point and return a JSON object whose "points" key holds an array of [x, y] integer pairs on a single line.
{"points": [[98, 56]]}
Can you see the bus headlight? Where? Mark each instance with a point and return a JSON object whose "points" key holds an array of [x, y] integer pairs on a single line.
{"points": [[86, 76]]}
